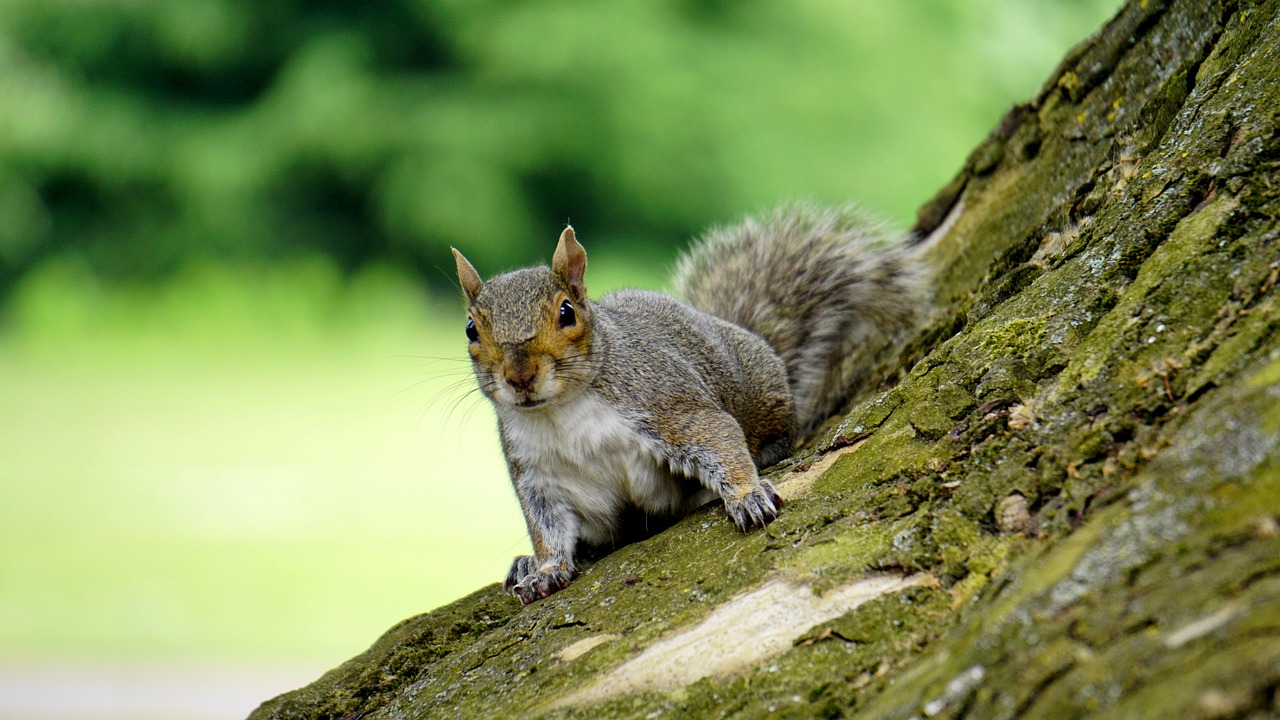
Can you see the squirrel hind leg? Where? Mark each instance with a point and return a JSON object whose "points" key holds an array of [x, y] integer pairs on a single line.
{"points": [[710, 447], [759, 506]]}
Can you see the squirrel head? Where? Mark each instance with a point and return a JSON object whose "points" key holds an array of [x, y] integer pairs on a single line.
{"points": [[529, 330]]}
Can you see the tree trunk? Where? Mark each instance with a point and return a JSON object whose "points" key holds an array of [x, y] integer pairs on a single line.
{"points": [[1069, 506]]}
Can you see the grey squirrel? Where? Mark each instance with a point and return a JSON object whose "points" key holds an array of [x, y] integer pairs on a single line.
{"points": [[640, 401]]}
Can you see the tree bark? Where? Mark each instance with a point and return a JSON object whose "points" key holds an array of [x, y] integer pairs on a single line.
{"points": [[1069, 506]]}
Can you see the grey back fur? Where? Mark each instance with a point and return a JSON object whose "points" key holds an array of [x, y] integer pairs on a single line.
{"points": [[826, 288]]}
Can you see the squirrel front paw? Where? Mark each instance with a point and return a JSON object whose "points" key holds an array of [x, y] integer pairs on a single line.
{"points": [[530, 579], [757, 506]]}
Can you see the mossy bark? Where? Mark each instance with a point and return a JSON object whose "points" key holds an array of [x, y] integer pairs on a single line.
{"points": [[1081, 469]]}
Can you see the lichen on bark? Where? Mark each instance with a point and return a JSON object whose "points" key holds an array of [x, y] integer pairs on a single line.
{"points": [[1080, 471]]}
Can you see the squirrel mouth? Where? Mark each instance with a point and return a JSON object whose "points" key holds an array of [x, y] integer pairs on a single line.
{"points": [[530, 403]]}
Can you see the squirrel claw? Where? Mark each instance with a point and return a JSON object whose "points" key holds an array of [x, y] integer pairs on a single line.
{"points": [[523, 593], [530, 581], [759, 506]]}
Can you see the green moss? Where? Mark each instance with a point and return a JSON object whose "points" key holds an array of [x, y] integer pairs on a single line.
{"points": [[955, 537], [848, 549], [1268, 376]]}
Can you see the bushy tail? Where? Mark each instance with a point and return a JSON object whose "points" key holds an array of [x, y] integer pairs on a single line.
{"points": [[828, 289]]}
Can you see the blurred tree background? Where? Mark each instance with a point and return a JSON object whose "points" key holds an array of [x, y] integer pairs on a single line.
{"points": [[139, 137], [234, 421]]}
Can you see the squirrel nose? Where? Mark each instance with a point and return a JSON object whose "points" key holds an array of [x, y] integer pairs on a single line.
{"points": [[521, 375]]}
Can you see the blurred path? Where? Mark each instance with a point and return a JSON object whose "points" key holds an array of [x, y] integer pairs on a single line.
{"points": [[142, 692]]}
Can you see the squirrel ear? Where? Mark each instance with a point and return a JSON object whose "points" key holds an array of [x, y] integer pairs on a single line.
{"points": [[467, 276], [570, 261]]}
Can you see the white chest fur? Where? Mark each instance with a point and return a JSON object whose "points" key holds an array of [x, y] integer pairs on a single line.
{"points": [[585, 454]]}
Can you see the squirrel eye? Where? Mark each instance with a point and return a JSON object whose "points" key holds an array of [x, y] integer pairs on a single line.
{"points": [[472, 334], [567, 314]]}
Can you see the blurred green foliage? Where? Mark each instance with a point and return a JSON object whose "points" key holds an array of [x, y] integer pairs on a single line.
{"points": [[141, 136]]}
